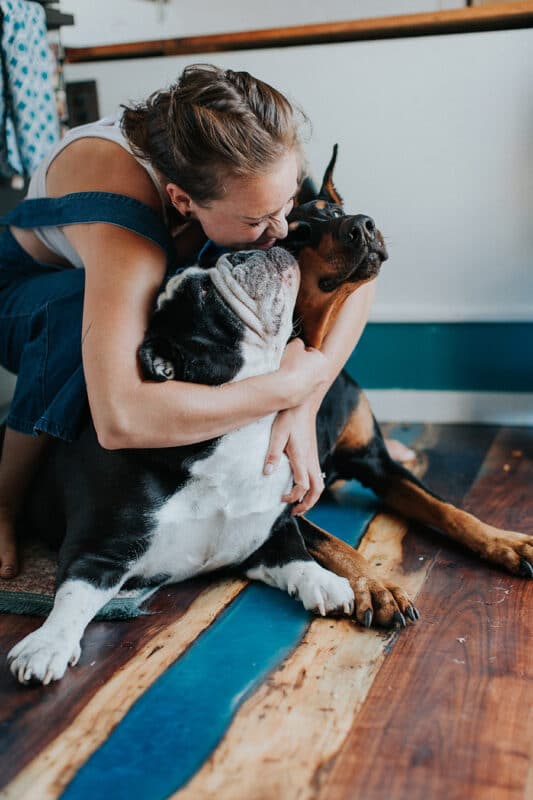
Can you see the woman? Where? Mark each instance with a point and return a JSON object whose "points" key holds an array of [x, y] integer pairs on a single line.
{"points": [[215, 157]]}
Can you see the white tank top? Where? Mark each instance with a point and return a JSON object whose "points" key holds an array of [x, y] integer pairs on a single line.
{"points": [[105, 128]]}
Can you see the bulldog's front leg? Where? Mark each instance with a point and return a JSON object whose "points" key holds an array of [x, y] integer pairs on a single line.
{"points": [[45, 654], [284, 562]]}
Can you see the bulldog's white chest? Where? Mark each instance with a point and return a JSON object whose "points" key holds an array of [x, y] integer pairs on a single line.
{"points": [[225, 513]]}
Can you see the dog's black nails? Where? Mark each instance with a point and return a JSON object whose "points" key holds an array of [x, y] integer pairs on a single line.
{"points": [[417, 612], [526, 570], [411, 613], [399, 617], [367, 621]]}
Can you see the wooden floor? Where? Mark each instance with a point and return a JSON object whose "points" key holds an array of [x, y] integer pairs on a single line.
{"points": [[440, 711]]}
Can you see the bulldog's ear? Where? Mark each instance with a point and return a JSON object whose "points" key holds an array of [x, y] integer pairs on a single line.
{"points": [[327, 190], [160, 361]]}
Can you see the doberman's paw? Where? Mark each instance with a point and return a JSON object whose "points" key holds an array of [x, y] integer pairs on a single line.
{"points": [[508, 549], [322, 591], [381, 603], [42, 656]]}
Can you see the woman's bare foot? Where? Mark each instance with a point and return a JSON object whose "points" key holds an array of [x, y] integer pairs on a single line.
{"points": [[8, 547], [399, 451], [20, 454]]}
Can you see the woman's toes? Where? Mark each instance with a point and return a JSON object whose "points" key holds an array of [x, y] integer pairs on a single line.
{"points": [[8, 553], [8, 563], [8, 571], [399, 451]]}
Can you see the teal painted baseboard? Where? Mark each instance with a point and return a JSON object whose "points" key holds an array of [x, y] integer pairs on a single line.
{"points": [[452, 356]]}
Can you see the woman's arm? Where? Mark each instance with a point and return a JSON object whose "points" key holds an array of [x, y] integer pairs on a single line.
{"points": [[344, 336], [294, 430], [123, 274]]}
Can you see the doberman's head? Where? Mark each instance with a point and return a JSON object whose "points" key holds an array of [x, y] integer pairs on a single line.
{"points": [[337, 253]]}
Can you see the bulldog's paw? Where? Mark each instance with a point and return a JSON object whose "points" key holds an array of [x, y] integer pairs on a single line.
{"points": [[320, 590], [42, 656]]}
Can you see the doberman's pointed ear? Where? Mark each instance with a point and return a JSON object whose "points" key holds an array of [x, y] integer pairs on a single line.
{"points": [[307, 192], [327, 190]]}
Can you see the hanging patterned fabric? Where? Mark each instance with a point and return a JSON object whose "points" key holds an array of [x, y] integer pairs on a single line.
{"points": [[29, 125]]}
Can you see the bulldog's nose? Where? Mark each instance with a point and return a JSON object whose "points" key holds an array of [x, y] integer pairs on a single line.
{"points": [[361, 230]]}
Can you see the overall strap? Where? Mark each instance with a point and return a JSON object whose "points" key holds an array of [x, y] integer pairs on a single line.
{"points": [[210, 252], [83, 207]]}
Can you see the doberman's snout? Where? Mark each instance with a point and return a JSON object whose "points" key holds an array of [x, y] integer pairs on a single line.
{"points": [[361, 229], [360, 232]]}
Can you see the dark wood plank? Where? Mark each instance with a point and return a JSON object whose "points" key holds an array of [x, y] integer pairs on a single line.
{"points": [[31, 717], [449, 714], [501, 16]]}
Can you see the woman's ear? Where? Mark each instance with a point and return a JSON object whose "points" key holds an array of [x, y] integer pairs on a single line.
{"points": [[179, 199]]}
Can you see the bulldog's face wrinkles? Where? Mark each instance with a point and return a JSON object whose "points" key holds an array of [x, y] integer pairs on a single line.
{"points": [[225, 323], [261, 288]]}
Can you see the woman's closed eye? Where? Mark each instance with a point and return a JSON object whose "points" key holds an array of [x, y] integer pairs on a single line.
{"points": [[286, 211]]}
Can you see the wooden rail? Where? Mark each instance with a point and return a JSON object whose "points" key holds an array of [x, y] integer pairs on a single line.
{"points": [[502, 16]]}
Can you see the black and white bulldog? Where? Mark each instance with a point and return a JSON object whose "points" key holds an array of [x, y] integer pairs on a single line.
{"points": [[165, 515]]}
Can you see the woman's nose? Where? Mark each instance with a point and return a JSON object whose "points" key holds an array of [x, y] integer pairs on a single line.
{"points": [[278, 227]]}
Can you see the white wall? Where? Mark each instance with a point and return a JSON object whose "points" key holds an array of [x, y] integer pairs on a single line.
{"points": [[435, 143], [105, 22]]}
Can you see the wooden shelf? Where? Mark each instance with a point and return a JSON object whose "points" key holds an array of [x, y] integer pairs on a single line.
{"points": [[502, 16]]}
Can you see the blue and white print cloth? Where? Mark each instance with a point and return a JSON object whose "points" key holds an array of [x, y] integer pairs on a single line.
{"points": [[29, 124]]}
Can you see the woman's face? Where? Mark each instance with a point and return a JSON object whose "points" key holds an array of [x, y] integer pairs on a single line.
{"points": [[252, 213]]}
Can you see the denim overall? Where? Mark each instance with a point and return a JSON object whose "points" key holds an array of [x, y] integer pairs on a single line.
{"points": [[41, 309]]}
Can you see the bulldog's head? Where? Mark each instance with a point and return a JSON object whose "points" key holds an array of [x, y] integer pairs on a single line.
{"points": [[261, 287], [232, 319]]}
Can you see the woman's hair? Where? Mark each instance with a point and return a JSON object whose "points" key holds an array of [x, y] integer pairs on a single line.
{"points": [[210, 125]]}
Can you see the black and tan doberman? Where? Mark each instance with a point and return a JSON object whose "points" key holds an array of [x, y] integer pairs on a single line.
{"points": [[324, 239]]}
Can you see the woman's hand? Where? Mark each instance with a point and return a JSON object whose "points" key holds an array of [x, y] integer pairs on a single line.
{"points": [[304, 369], [294, 431]]}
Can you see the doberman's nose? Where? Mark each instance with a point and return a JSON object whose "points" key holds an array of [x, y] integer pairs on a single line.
{"points": [[362, 229]]}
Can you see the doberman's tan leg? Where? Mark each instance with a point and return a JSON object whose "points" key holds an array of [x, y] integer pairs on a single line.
{"points": [[361, 454], [376, 600], [508, 549]]}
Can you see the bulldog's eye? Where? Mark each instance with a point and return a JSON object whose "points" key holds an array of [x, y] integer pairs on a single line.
{"points": [[163, 368], [337, 213]]}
